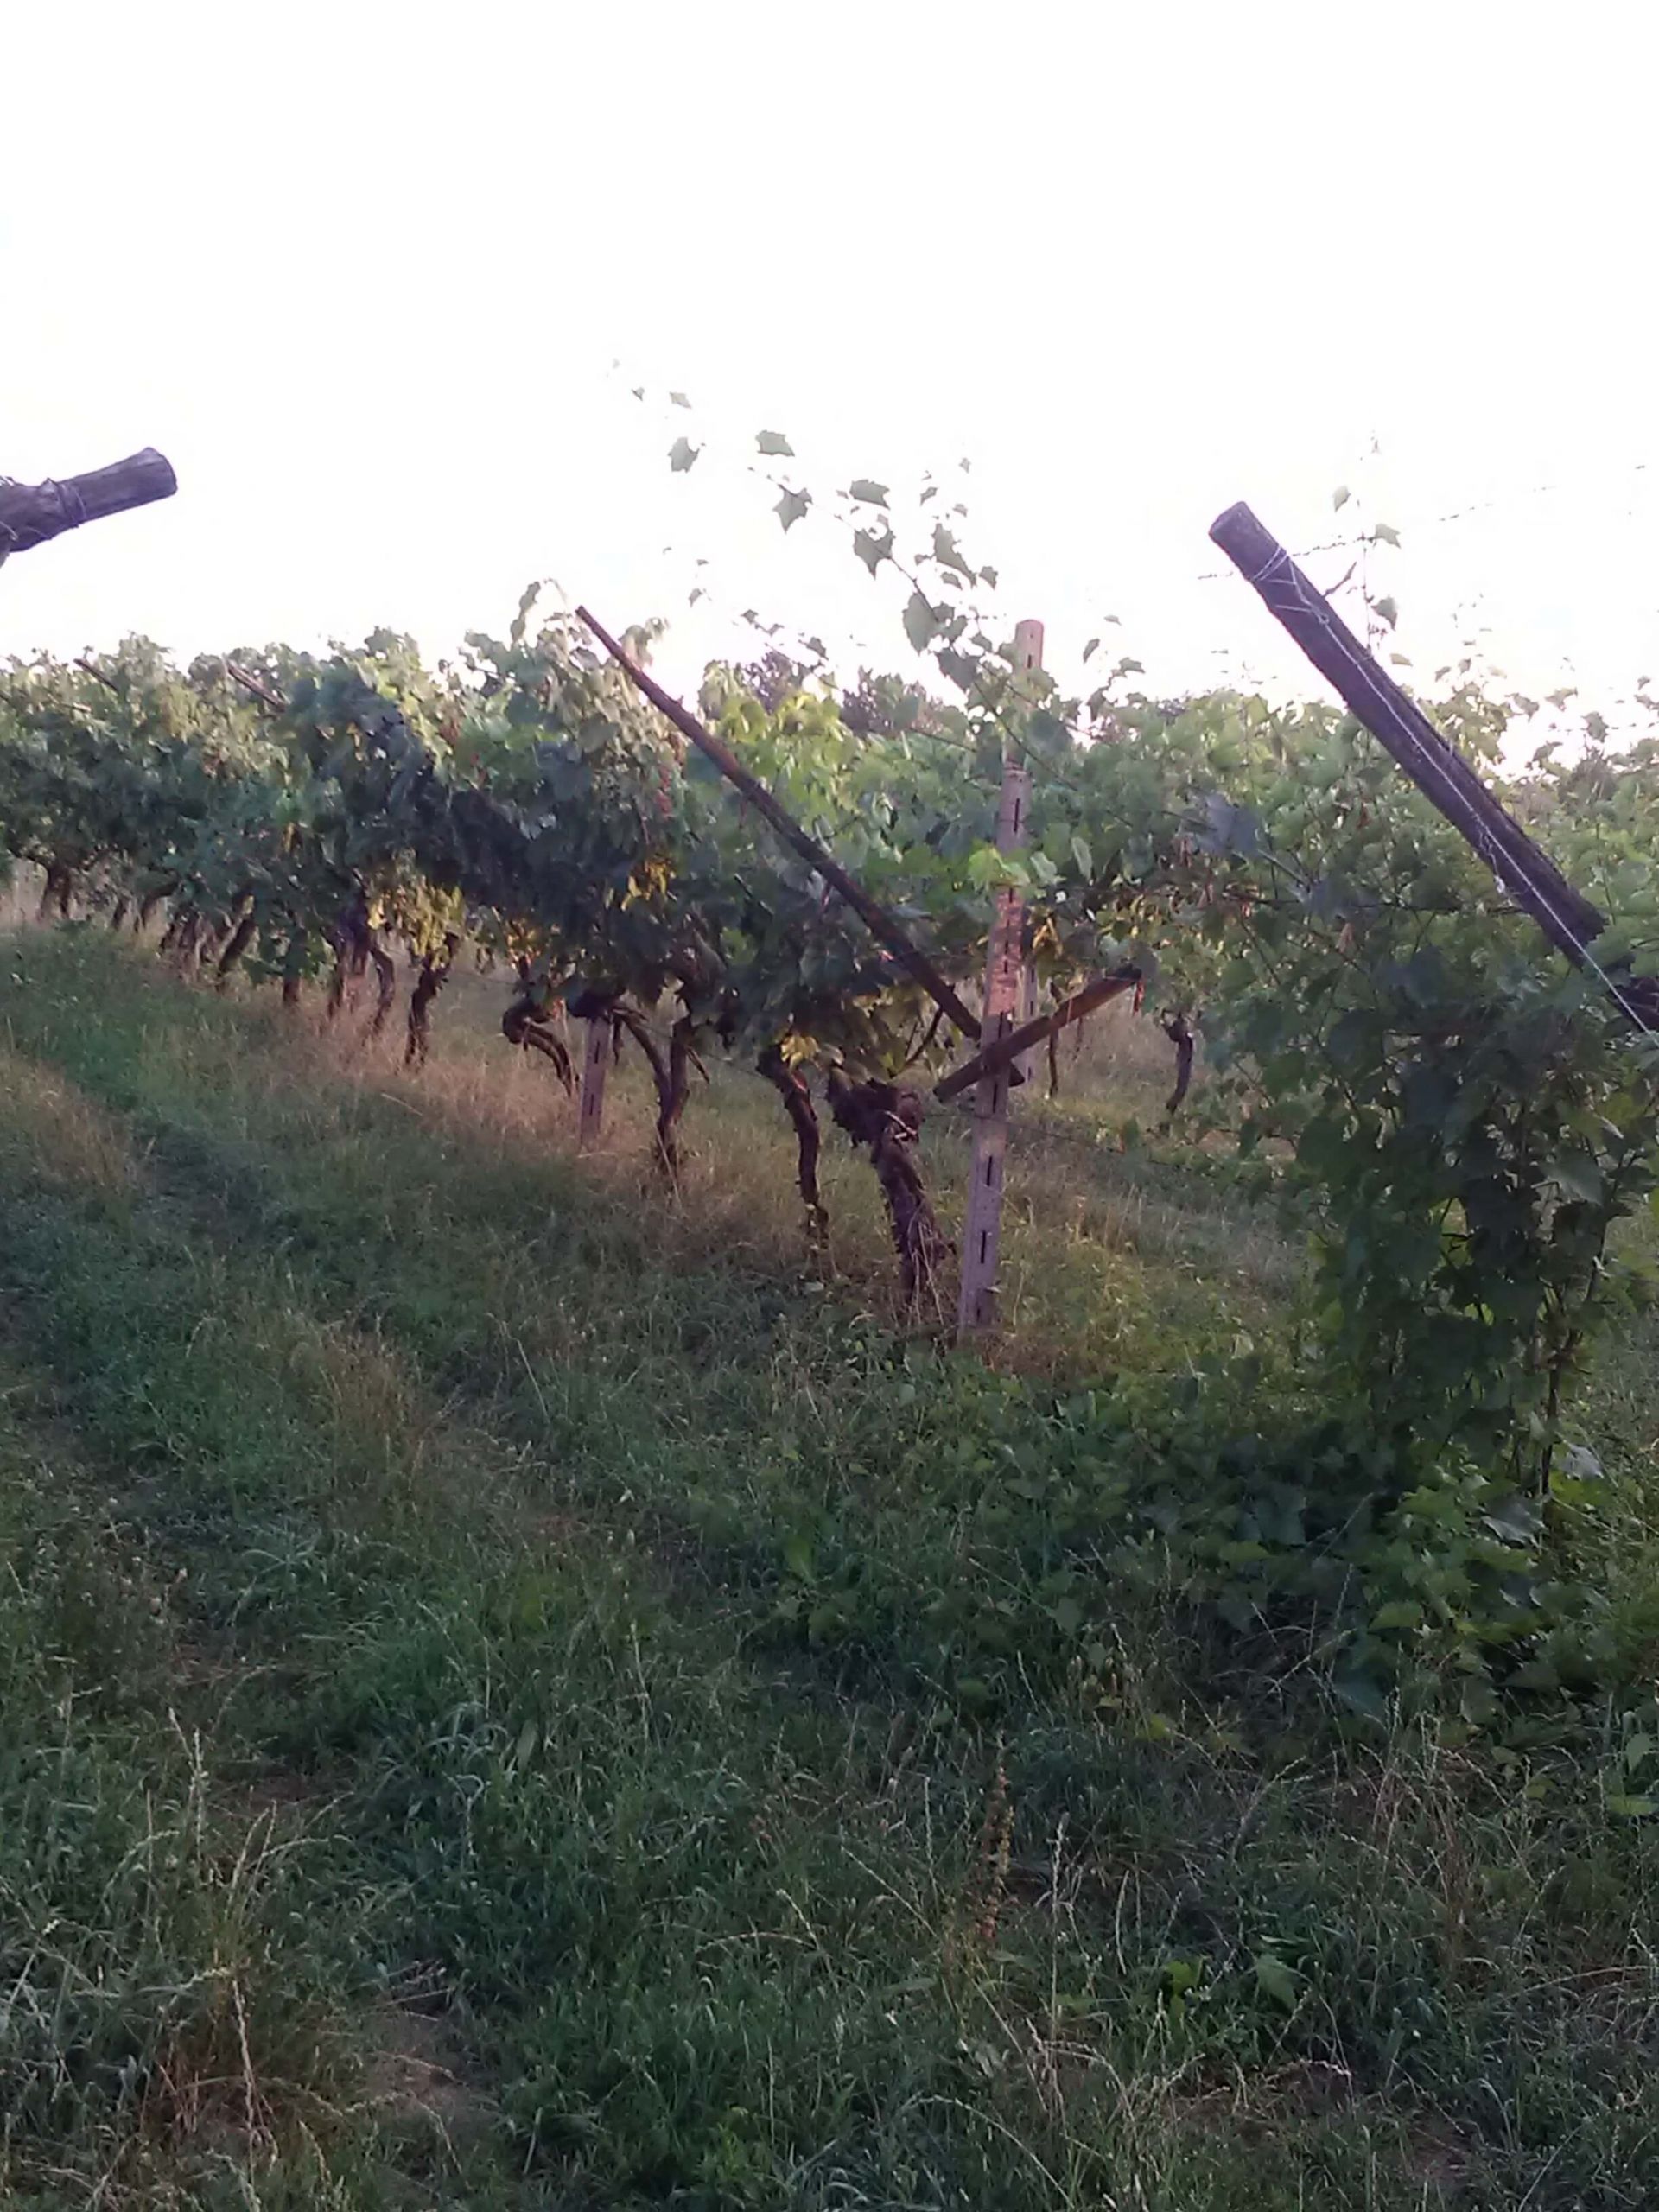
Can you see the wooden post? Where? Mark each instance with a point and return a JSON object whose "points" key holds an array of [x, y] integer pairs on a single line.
{"points": [[982, 1227], [31, 514], [991, 1059], [1440, 773], [596, 1058]]}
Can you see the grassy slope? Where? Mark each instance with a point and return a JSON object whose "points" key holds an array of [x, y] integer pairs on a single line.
{"points": [[412, 1791]]}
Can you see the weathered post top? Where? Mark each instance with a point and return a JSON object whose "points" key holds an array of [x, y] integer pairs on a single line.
{"points": [[31, 513], [1568, 918]]}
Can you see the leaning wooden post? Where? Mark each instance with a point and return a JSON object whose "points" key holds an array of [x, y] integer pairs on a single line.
{"points": [[1568, 918], [596, 1058], [981, 1225], [31, 514]]}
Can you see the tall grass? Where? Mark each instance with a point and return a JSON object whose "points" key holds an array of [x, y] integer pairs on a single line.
{"points": [[422, 1781]]}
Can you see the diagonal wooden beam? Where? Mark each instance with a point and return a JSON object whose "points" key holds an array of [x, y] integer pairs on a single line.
{"points": [[1007, 1050], [32, 513], [881, 924], [238, 674], [1568, 918]]}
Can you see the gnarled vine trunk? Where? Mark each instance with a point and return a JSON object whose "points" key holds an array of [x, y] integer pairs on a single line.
{"points": [[671, 1073], [790, 1086], [888, 1120], [434, 974], [183, 934], [294, 967], [57, 892], [385, 977], [240, 938], [527, 1023], [350, 936], [1179, 1031]]}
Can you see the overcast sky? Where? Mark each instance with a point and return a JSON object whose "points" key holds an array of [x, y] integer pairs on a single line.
{"points": [[361, 271]]}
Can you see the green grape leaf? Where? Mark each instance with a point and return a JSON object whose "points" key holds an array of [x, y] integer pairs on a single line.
{"points": [[1578, 1174], [1479, 1704], [1361, 1695], [790, 509], [1401, 1612], [947, 552], [871, 550], [1275, 1979], [921, 622]]}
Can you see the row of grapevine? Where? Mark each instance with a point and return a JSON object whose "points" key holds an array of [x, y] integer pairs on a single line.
{"points": [[1453, 1113]]}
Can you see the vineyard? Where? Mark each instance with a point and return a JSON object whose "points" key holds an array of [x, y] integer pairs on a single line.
{"points": [[697, 1733]]}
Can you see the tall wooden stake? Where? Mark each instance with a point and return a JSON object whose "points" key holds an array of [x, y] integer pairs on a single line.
{"points": [[982, 1226], [596, 1058], [1439, 772], [32, 513]]}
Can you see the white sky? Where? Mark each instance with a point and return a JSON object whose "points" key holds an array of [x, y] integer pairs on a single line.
{"points": [[361, 271]]}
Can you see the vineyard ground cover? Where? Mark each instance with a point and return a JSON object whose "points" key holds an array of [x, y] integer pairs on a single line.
{"points": [[424, 1782]]}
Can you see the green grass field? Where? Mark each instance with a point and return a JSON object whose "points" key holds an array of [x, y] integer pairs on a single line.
{"points": [[474, 1728]]}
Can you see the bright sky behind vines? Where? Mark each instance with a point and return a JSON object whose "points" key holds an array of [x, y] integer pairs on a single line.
{"points": [[362, 271]]}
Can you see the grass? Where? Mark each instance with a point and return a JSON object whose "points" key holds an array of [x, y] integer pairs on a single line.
{"points": [[484, 1714]]}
